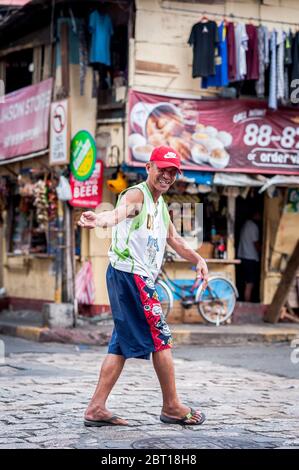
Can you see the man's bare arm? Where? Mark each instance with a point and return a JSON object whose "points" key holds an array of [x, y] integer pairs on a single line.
{"points": [[130, 205], [182, 248]]}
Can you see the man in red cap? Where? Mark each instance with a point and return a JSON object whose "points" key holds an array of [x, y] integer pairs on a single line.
{"points": [[141, 226]]}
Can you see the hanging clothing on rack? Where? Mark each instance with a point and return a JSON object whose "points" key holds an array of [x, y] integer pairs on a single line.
{"points": [[221, 67], [288, 60], [241, 39], [266, 45], [252, 56], [204, 38], [280, 64], [101, 30], [288, 48], [231, 51], [295, 58], [260, 84], [272, 102]]}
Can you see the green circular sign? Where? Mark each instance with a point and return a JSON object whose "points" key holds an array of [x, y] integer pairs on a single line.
{"points": [[83, 155]]}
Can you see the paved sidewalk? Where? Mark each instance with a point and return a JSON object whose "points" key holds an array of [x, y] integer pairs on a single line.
{"points": [[44, 396], [29, 327]]}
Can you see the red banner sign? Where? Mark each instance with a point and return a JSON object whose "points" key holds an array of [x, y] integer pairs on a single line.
{"points": [[88, 193], [215, 135], [24, 120]]}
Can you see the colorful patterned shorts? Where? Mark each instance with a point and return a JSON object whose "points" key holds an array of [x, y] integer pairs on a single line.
{"points": [[139, 324]]}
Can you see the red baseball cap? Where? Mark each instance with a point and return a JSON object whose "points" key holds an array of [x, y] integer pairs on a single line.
{"points": [[165, 157]]}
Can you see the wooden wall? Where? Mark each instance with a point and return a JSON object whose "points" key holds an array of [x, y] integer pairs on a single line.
{"points": [[161, 59]]}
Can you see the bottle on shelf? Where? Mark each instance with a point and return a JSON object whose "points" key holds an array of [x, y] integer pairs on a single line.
{"points": [[221, 248]]}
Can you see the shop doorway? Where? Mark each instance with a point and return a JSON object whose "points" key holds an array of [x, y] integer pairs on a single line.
{"points": [[248, 243]]}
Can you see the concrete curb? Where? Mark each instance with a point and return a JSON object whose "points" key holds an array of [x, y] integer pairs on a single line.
{"points": [[182, 335], [188, 337]]}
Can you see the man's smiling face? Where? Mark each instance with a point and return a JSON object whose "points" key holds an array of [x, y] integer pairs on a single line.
{"points": [[161, 178]]}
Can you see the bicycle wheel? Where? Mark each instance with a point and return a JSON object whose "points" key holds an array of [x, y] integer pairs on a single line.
{"points": [[165, 297], [217, 302]]}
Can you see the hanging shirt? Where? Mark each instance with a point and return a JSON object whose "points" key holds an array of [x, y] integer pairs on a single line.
{"points": [[295, 68], [260, 84], [241, 39], [231, 52], [221, 76], [138, 243], [252, 55], [280, 64], [288, 48], [266, 45], [204, 39], [101, 30], [273, 70]]}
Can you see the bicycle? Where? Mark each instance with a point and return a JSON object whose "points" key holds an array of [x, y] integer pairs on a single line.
{"points": [[215, 304]]}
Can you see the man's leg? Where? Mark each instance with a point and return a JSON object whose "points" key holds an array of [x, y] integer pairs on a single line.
{"points": [[172, 406], [110, 371], [248, 291]]}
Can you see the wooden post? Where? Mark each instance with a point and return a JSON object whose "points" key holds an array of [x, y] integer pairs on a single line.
{"points": [[69, 255], [47, 65], [59, 257], [281, 294], [65, 58], [231, 209], [37, 63]]}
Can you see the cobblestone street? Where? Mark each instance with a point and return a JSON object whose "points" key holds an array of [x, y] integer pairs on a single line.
{"points": [[44, 394]]}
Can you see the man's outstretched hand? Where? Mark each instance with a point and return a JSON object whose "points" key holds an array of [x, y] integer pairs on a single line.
{"points": [[88, 219]]}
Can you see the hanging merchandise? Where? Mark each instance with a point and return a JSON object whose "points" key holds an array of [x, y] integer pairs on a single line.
{"points": [[221, 64], [84, 285], [204, 39], [52, 200], [241, 39], [117, 183], [295, 67], [252, 58], [231, 52], [288, 48], [63, 189], [260, 84], [280, 64], [26, 186], [101, 29], [273, 73], [41, 204]]}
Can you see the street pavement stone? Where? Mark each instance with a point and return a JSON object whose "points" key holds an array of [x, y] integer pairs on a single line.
{"points": [[43, 398]]}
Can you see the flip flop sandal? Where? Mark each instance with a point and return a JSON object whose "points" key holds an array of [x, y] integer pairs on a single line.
{"points": [[102, 422], [183, 421]]}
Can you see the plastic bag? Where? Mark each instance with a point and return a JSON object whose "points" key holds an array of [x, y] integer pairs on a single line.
{"points": [[64, 192], [84, 285]]}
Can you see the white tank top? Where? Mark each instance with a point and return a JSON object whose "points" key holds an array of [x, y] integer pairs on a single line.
{"points": [[138, 243]]}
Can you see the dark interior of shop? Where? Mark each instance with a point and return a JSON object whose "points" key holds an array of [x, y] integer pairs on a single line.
{"points": [[19, 70], [245, 209]]}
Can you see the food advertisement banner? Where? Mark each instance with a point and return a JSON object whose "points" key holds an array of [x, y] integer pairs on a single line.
{"points": [[215, 135]]}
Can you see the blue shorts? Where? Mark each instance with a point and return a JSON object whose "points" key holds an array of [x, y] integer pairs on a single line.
{"points": [[139, 324]]}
